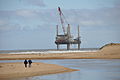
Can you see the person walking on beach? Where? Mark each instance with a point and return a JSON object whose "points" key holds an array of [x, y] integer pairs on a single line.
{"points": [[30, 62], [25, 62]]}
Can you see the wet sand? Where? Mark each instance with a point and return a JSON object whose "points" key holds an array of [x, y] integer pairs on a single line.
{"points": [[17, 70]]}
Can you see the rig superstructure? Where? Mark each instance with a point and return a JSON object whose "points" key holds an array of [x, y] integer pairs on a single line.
{"points": [[66, 37]]}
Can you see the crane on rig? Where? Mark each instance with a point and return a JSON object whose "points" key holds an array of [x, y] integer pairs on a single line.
{"points": [[66, 38], [61, 20]]}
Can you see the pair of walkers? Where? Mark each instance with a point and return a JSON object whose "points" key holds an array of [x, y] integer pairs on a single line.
{"points": [[28, 62]]}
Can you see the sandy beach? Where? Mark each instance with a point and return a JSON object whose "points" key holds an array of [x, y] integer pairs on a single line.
{"points": [[17, 70]]}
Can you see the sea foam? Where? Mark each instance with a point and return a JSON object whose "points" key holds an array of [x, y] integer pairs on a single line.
{"points": [[48, 52]]}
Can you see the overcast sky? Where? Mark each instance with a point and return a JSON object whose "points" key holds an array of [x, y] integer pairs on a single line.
{"points": [[31, 24]]}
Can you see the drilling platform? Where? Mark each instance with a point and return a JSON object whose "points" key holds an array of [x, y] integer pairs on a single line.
{"points": [[66, 38]]}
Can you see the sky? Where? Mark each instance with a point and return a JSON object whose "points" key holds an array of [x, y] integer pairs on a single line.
{"points": [[31, 24]]}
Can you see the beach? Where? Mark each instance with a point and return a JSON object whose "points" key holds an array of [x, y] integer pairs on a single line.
{"points": [[16, 70]]}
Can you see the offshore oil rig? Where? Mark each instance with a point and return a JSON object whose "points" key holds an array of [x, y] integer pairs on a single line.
{"points": [[66, 37]]}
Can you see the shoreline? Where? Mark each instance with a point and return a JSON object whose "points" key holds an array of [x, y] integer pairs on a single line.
{"points": [[109, 51]]}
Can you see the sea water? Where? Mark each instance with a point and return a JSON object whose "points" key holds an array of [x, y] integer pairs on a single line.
{"points": [[90, 69], [47, 51]]}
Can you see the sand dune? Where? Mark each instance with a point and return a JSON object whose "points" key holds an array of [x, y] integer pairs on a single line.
{"points": [[110, 49]]}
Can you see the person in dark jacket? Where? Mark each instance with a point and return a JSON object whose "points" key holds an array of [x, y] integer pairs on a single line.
{"points": [[25, 62], [30, 62]]}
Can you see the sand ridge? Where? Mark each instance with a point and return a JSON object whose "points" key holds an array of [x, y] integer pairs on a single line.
{"points": [[16, 70]]}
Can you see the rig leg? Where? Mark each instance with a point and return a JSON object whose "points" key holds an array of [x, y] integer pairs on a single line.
{"points": [[78, 46], [68, 46], [57, 46]]}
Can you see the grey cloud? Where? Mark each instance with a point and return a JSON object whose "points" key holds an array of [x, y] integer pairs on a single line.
{"points": [[10, 27], [85, 17], [39, 3], [94, 17]]}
